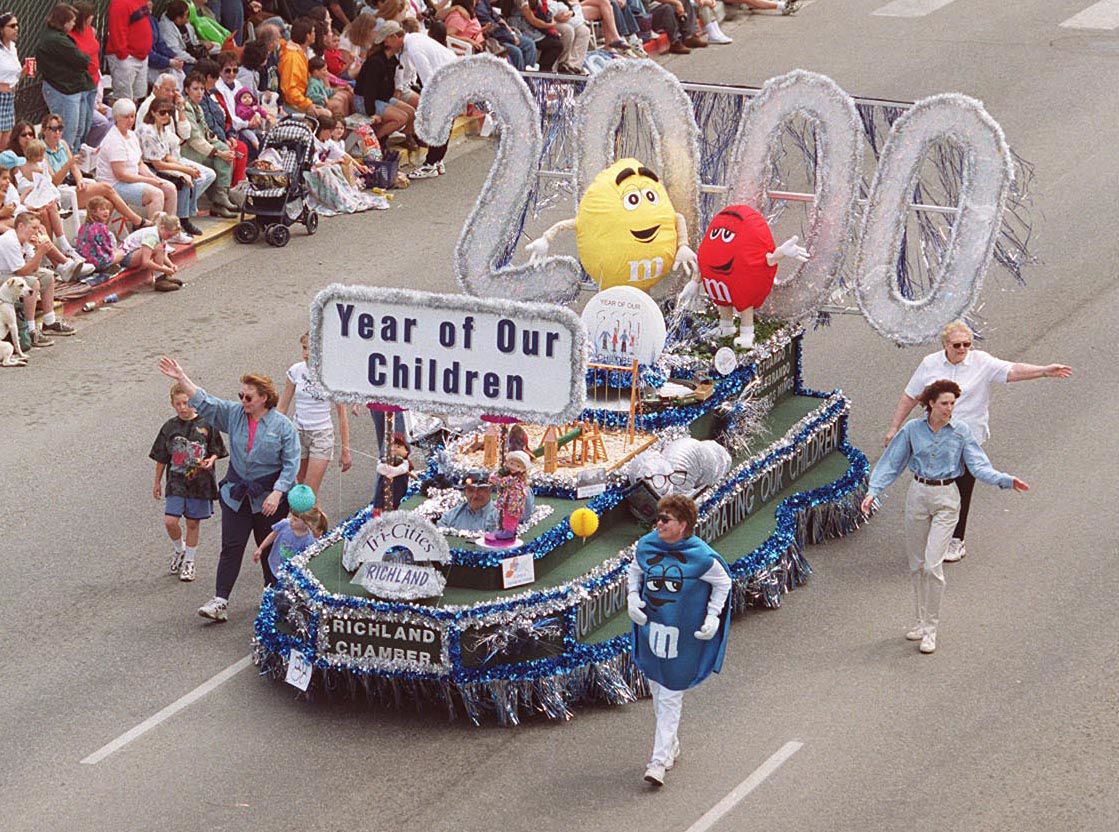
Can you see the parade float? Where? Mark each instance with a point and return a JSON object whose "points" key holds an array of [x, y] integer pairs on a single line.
{"points": [[649, 390]]}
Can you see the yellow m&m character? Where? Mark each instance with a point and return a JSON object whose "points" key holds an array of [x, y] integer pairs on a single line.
{"points": [[626, 230]]}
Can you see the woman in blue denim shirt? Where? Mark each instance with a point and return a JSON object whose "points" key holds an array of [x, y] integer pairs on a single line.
{"points": [[935, 450], [263, 462]]}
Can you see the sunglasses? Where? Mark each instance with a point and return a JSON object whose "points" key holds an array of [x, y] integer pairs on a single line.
{"points": [[27, 135], [13, 25], [245, 397], [163, 112], [229, 70], [54, 128], [961, 344], [666, 518]]}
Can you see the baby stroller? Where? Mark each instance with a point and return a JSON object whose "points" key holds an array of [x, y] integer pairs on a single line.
{"points": [[277, 195]]}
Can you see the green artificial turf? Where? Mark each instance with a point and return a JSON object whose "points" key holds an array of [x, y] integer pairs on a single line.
{"points": [[576, 558]]}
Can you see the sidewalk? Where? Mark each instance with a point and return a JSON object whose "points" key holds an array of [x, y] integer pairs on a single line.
{"points": [[131, 281]]}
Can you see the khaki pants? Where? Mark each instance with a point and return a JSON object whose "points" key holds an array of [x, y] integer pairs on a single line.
{"points": [[931, 512], [575, 40]]}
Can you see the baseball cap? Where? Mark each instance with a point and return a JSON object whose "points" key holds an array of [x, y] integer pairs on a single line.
{"points": [[9, 159], [477, 479], [386, 28]]}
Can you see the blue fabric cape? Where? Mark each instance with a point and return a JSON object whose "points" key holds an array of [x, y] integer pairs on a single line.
{"points": [[676, 603]]}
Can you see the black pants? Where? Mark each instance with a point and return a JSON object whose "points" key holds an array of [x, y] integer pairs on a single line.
{"points": [[549, 49], [236, 526], [966, 483], [435, 154]]}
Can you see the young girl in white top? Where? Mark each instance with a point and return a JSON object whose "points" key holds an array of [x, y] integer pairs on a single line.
{"points": [[39, 195], [312, 420]]}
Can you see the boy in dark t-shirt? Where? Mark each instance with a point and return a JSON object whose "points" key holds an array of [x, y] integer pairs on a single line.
{"points": [[187, 448]]}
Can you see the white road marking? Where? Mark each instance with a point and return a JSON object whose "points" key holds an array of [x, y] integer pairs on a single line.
{"points": [[1102, 15], [910, 8], [172, 709], [716, 812]]}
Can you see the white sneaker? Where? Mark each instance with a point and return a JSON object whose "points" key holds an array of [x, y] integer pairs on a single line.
{"points": [[440, 168], [70, 270], [716, 35], [956, 551], [215, 610], [655, 774], [787, 6], [181, 239], [187, 572], [916, 634], [424, 171], [675, 754], [928, 642], [176, 561]]}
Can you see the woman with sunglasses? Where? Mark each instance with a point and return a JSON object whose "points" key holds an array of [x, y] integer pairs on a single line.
{"points": [[975, 371], [64, 69], [677, 600], [160, 145], [934, 450], [11, 72], [65, 170], [263, 463]]}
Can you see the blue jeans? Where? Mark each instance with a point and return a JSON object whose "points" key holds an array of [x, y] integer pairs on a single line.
{"points": [[518, 54], [71, 108], [625, 20], [231, 15]]}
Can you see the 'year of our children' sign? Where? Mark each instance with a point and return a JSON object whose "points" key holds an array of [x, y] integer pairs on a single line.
{"points": [[448, 353]]}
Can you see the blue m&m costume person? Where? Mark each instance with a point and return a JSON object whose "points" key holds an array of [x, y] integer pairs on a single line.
{"points": [[677, 599]]}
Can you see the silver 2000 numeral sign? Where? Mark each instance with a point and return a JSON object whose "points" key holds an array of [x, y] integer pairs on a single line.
{"points": [[494, 224]]}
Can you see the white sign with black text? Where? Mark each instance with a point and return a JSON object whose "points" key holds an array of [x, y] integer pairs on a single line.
{"points": [[517, 571], [455, 354]]}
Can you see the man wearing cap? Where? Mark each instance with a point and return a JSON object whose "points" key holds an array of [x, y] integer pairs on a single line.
{"points": [[477, 513]]}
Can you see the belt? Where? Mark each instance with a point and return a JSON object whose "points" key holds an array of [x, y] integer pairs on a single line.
{"points": [[924, 481]]}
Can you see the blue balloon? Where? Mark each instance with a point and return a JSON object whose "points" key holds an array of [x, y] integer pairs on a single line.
{"points": [[301, 498]]}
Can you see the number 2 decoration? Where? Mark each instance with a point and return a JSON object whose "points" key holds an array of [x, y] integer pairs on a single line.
{"points": [[493, 226]]}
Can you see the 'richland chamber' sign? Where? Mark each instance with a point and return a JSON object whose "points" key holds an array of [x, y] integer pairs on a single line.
{"points": [[448, 353], [381, 641]]}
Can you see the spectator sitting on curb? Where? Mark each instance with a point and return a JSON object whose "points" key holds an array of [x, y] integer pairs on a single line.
{"points": [[295, 73], [160, 145], [65, 170], [120, 162], [179, 36], [203, 146], [166, 86], [147, 249], [38, 194], [22, 250], [218, 119], [95, 242]]}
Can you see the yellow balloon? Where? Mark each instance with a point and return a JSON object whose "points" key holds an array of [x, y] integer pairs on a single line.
{"points": [[584, 522], [625, 227]]}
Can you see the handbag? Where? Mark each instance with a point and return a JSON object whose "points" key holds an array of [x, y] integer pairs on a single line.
{"points": [[495, 47]]}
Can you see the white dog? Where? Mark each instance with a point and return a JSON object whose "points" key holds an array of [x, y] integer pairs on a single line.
{"points": [[12, 291]]}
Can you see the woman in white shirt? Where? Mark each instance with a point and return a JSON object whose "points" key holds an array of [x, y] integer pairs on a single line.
{"points": [[120, 162], [312, 420], [10, 73]]}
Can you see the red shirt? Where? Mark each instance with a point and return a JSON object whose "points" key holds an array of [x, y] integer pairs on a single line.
{"points": [[87, 42], [130, 33]]}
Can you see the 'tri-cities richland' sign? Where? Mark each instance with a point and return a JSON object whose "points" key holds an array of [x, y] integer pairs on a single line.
{"points": [[448, 353]]}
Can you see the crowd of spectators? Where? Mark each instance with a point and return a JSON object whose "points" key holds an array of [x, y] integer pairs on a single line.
{"points": [[163, 112]]}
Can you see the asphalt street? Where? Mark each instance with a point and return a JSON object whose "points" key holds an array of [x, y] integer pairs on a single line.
{"points": [[1009, 726]]}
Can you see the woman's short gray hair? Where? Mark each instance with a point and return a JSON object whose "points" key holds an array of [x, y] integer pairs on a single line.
{"points": [[123, 107], [952, 327]]}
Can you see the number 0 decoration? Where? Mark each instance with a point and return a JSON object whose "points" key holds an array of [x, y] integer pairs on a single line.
{"points": [[839, 152], [668, 112], [987, 175], [494, 225]]}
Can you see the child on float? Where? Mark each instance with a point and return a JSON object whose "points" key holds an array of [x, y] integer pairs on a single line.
{"points": [[396, 470], [290, 537], [186, 449], [678, 588], [95, 242], [515, 501]]}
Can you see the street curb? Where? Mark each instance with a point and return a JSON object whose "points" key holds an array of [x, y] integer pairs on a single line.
{"points": [[131, 281]]}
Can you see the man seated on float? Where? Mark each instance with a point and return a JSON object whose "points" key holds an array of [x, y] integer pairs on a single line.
{"points": [[477, 513]]}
